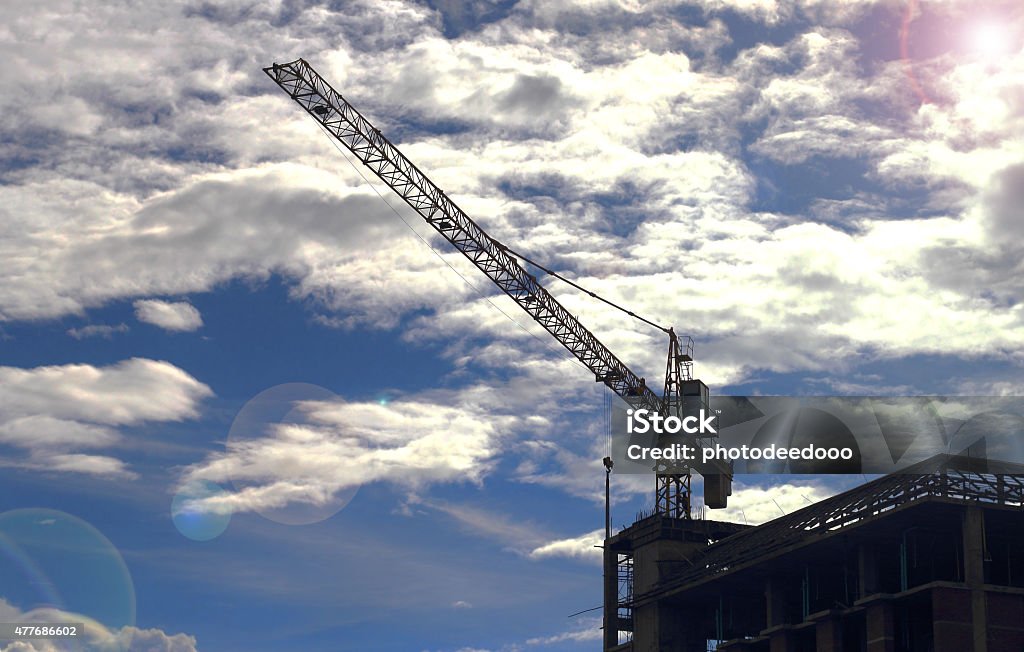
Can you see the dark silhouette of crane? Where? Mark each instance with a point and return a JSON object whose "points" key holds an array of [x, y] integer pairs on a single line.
{"points": [[342, 121]]}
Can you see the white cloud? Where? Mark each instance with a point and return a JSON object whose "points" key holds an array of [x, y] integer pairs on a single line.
{"points": [[514, 536], [177, 316], [594, 127], [454, 435], [101, 465], [581, 547], [42, 430], [523, 538], [250, 224], [105, 331], [340, 445], [587, 632], [51, 414], [126, 393], [754, 504], [584, 631], [576, 468], [94, 636]]}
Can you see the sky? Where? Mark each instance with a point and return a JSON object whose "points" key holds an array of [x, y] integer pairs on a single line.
{"points": [[248, 401]]}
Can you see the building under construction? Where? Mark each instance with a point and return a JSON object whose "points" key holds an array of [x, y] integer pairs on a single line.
{"points": [[927, 560], [920, 561]]}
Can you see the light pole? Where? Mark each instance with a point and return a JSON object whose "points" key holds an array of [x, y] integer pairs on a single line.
{"points": [[611, 587], [608, 464]]}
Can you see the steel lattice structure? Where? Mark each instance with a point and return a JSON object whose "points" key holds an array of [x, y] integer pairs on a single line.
{"points": [[944, 477], [342, 121]]}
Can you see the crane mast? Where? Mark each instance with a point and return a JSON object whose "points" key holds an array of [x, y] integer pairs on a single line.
{"points": [[342, 121]]}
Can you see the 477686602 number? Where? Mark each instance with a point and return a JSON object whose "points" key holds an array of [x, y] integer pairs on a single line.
{"points": [[21, 631]]}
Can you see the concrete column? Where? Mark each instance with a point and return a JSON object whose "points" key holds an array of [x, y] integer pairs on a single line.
{"points": [[828, 634], [867, 570], [1005, 624], [952, 620], [974, 572], [775, 603], [611, 598], [781, 640], [646, 633], [880, 626]]}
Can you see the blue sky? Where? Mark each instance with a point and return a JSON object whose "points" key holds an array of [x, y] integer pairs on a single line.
{"points": [[197, 291]]}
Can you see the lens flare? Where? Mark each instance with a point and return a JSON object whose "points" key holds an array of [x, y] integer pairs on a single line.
{"points": [[260, 419], [908, 65], [53, 560], [194, 520], [936, 38], [19, 569]]}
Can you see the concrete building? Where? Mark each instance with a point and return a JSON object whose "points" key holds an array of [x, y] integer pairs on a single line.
{"points": [[928, 560]]}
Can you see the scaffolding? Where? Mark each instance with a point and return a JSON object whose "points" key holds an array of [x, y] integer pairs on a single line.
{"points": [[624, 610], [943, 477]]}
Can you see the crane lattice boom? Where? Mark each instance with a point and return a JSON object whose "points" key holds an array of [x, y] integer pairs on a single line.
{"points": [[351, 129]]}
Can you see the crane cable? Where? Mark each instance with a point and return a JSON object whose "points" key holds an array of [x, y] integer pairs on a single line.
{"points": [[500, 246], [560, 353], [581, 288]]}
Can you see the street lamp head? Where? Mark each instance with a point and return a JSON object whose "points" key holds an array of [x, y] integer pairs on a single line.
{"points": [[608, 464]]}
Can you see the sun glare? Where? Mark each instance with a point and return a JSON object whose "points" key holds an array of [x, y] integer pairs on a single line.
{"points": [[989, 38]]}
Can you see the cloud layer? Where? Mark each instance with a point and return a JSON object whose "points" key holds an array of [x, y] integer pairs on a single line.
{"points": [[330, 447], [640, 170], [787, 195], [65, 417]]}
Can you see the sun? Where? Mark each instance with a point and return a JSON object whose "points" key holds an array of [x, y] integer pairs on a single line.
{"points": [[989, 38]]}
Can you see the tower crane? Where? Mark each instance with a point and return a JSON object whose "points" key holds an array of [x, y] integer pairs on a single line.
{"points": [[344, 123]]}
